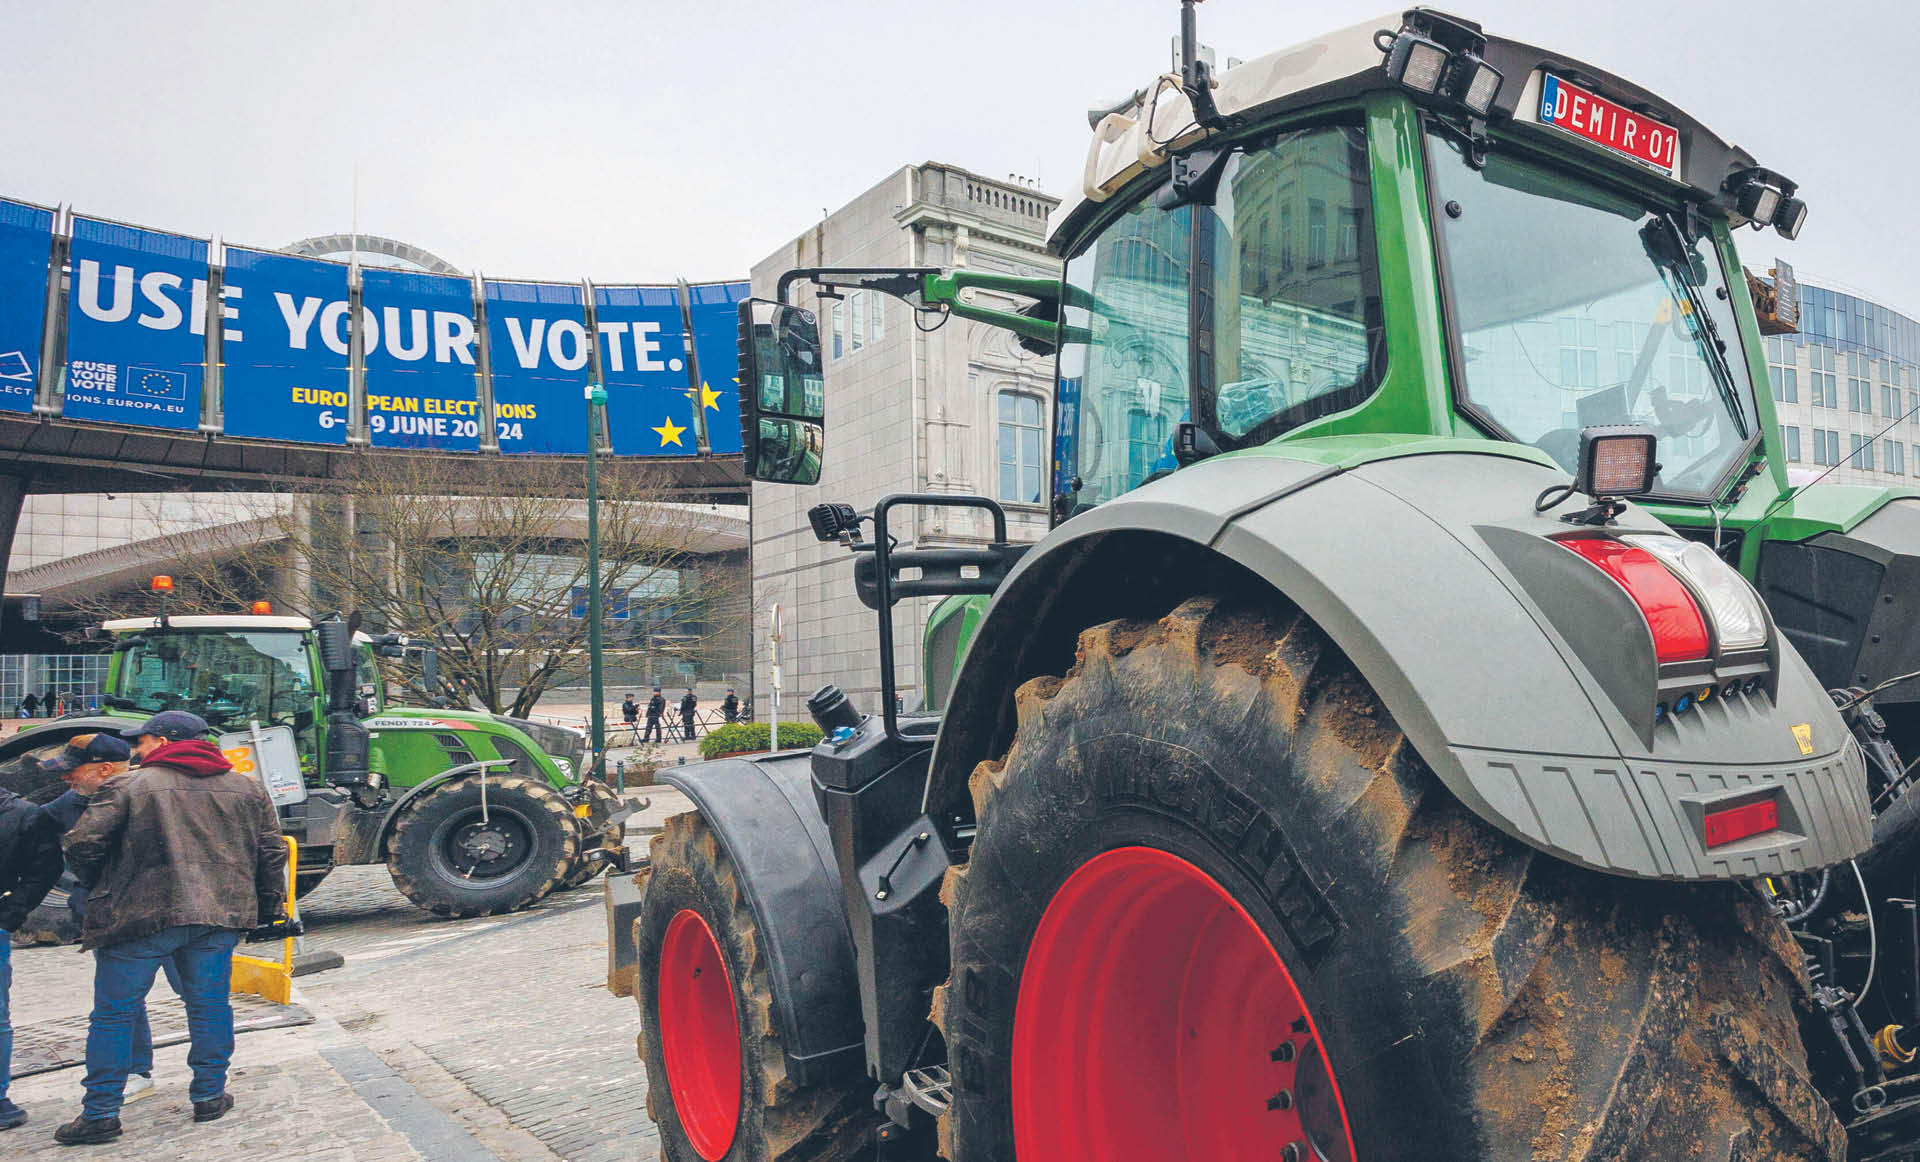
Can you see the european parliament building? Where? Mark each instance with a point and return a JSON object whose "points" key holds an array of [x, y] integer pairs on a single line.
{"points": [[1853, 369]]}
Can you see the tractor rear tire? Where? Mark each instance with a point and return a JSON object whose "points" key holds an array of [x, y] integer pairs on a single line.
{"points": [[1218, 908], [454, 858], [698, 946]]}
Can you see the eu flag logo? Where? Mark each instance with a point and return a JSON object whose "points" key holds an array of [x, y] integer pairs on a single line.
{"points": [[153, 383]]}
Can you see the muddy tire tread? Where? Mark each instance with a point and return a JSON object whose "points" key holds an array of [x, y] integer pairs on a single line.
{"points": [[1713, 1032]]}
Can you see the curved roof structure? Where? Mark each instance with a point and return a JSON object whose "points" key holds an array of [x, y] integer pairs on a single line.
{"points": [[373, 250]]}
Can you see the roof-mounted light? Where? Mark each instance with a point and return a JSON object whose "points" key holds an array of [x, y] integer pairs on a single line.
{"points": [[1482, 88], [1764, 198], [1439, 56], [1417, 63]]}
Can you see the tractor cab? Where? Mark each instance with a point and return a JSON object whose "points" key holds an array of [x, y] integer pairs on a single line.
{"points": [[224, 669]]}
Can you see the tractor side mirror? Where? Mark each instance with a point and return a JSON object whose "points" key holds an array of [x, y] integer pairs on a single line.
{"points": [[783, 405]]}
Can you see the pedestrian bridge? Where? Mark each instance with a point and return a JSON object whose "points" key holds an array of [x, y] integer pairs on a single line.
{"points": [[137, 360]]}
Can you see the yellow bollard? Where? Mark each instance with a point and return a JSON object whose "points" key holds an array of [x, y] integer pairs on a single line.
{"points": [[272, 979]]}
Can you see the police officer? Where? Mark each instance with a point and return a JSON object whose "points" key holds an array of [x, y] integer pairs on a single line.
{"points": [[656, 709], [688, 704], [730, 707]]}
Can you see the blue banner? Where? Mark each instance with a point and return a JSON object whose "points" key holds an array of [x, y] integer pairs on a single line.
{"points": [[716, 329], [643, 357], [537, 353], [26, 246], [284, 359], [136, 326], [421, 390]]}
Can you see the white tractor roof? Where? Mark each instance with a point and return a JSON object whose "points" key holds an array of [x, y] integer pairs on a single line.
{"points": [[208, 621], [1140, 135]]}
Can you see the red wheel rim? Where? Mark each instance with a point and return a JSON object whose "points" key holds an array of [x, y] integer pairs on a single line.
{"points": [[699, 1035], [1155, 1021]]}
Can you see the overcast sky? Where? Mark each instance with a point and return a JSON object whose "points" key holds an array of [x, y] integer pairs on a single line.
{"points": [[645, 140]]}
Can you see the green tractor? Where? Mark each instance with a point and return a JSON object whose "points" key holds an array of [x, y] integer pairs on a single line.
{"points": [[472, 813], [1434, 726]]}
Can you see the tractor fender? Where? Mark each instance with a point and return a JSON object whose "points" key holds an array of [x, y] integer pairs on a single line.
{"points": [[1520, 674], [763, 813]]}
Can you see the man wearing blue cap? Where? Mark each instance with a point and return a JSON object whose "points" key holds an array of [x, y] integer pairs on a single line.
{"points": [[182, 856]]}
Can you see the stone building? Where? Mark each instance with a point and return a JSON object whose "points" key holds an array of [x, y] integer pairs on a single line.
{"points": [[914, 404]]}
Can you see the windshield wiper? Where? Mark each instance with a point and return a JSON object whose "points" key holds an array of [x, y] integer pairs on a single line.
{"points": [[1663, 241]]}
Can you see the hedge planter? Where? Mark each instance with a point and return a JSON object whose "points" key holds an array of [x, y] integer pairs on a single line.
{"points": [[755, 737]]}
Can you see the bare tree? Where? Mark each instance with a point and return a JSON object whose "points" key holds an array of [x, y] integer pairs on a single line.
{"points": [[484, 560]]}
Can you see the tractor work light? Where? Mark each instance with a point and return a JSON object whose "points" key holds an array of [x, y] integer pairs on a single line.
{"points": [[261, 608], [162, 584], [1482, 88], [832, 521], [1416, 62], [1759, 202], [1616, 460], [1788, 219], [1439, 56], [1764, 198], [1738, 620]]}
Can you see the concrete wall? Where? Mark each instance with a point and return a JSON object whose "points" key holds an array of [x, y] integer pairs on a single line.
{"points": [[907, 412]]}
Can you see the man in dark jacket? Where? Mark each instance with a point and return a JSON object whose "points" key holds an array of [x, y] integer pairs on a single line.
{"points": [[630, 714], [180, 857], [29, 865], [688, 704], [730, 707], [656, 709]]}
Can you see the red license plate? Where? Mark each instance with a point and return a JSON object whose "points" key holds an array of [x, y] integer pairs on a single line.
{"points": [[1588, 115]]}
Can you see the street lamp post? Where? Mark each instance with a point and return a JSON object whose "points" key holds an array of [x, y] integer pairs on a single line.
{"points": [[596, 410]]}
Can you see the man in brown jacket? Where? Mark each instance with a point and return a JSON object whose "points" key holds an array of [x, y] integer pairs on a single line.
{"points": [[179, 859]]}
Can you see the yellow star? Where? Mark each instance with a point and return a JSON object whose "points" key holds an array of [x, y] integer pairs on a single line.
{"points": [[709, 398], [669, 434]]}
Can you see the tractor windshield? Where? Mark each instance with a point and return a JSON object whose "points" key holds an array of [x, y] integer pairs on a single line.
{"points": [[228, 677], [1578, 307]]}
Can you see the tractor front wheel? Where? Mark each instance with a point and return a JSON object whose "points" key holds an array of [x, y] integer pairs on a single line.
{"points": [[1217, 907], [456, 853], [717, 1083]]}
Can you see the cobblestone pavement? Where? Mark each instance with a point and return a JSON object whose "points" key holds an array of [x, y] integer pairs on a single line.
{"points": [[493, 1040]]}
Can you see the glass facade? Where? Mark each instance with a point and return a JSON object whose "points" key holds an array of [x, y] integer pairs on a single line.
{"points": [[1851, 377]]}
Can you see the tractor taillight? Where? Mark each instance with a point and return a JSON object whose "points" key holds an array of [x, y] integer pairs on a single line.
{"points": [[1679, 632]]}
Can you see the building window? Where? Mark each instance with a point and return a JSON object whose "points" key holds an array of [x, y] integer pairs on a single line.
{"points": [[1897, 458], [839, 316], [1286, 239], [1020, 460], [857, 319], [1316, 233], [1861, 455], [1579, 353], [1859, 387], [1826, 391], [1146, 442], [1349, 235], [1826, 447], [1890, 403], [1781, 371], [1790, 441]]}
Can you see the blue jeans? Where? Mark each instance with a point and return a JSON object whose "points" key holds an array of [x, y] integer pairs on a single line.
{"points": [[6, 1017], [123, 973]]}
